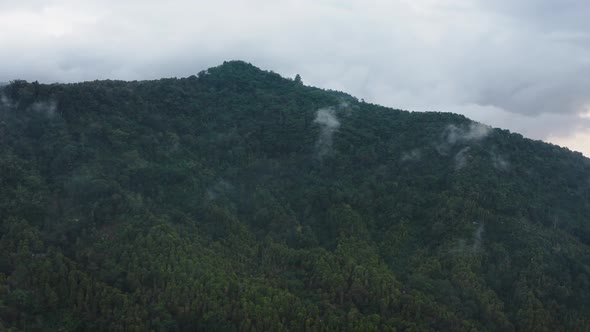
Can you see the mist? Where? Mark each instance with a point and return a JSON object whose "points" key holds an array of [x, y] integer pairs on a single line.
{"points": [[499, 162], [413, 155], [329, 124], [46, 107], [461, 158], [475, 131], [477, 236], [453, 135]]}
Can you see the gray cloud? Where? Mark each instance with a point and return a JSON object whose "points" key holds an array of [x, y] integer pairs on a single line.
{"points": [[546, 15], [521, 60]]}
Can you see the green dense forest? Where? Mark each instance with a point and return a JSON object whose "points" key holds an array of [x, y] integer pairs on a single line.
{"points": [[239, 200]]}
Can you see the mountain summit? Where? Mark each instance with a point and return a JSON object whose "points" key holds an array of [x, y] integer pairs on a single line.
{"points": [[237, 199]]}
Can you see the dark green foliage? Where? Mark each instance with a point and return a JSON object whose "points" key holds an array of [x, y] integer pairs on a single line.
{"points": [[203, 204]]}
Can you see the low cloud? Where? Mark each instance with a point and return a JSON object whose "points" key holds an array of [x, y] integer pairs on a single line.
{"points": [[46, 107], [499, 162], [474, 132], [462, 247], [478, 236], [414, 155], [571, 130], [461, 158], [5, 102], [326, 118], [453, 135], [219, 189]]}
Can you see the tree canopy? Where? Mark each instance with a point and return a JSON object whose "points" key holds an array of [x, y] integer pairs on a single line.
{"points": [[237, 199]]}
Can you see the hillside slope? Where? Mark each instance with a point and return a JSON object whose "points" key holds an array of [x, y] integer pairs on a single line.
{"points": [[241, 200]]}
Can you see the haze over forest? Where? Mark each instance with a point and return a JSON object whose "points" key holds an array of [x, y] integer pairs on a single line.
{"points": [[521, 65], [405, 165], [239, 200]]}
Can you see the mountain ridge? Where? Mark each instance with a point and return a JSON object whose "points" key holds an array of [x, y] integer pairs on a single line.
{"points": [[237, 199]]}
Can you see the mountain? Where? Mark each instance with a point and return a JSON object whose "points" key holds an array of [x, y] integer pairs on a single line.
{"points": [[241, 200]]}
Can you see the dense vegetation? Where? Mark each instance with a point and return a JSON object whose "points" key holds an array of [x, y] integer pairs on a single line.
{"points": [[241, 200]]}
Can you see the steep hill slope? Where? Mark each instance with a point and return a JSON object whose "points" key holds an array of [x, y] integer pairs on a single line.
{"points": [[241, 200]]}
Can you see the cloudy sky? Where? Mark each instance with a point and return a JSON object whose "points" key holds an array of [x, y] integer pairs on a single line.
{"points": [[522, 65]]}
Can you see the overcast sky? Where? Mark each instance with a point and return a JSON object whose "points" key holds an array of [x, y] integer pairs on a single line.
{"points": [[523, 65]]}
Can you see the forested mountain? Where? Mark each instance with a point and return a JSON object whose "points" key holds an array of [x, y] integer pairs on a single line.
{"points": [[238, 200]]}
